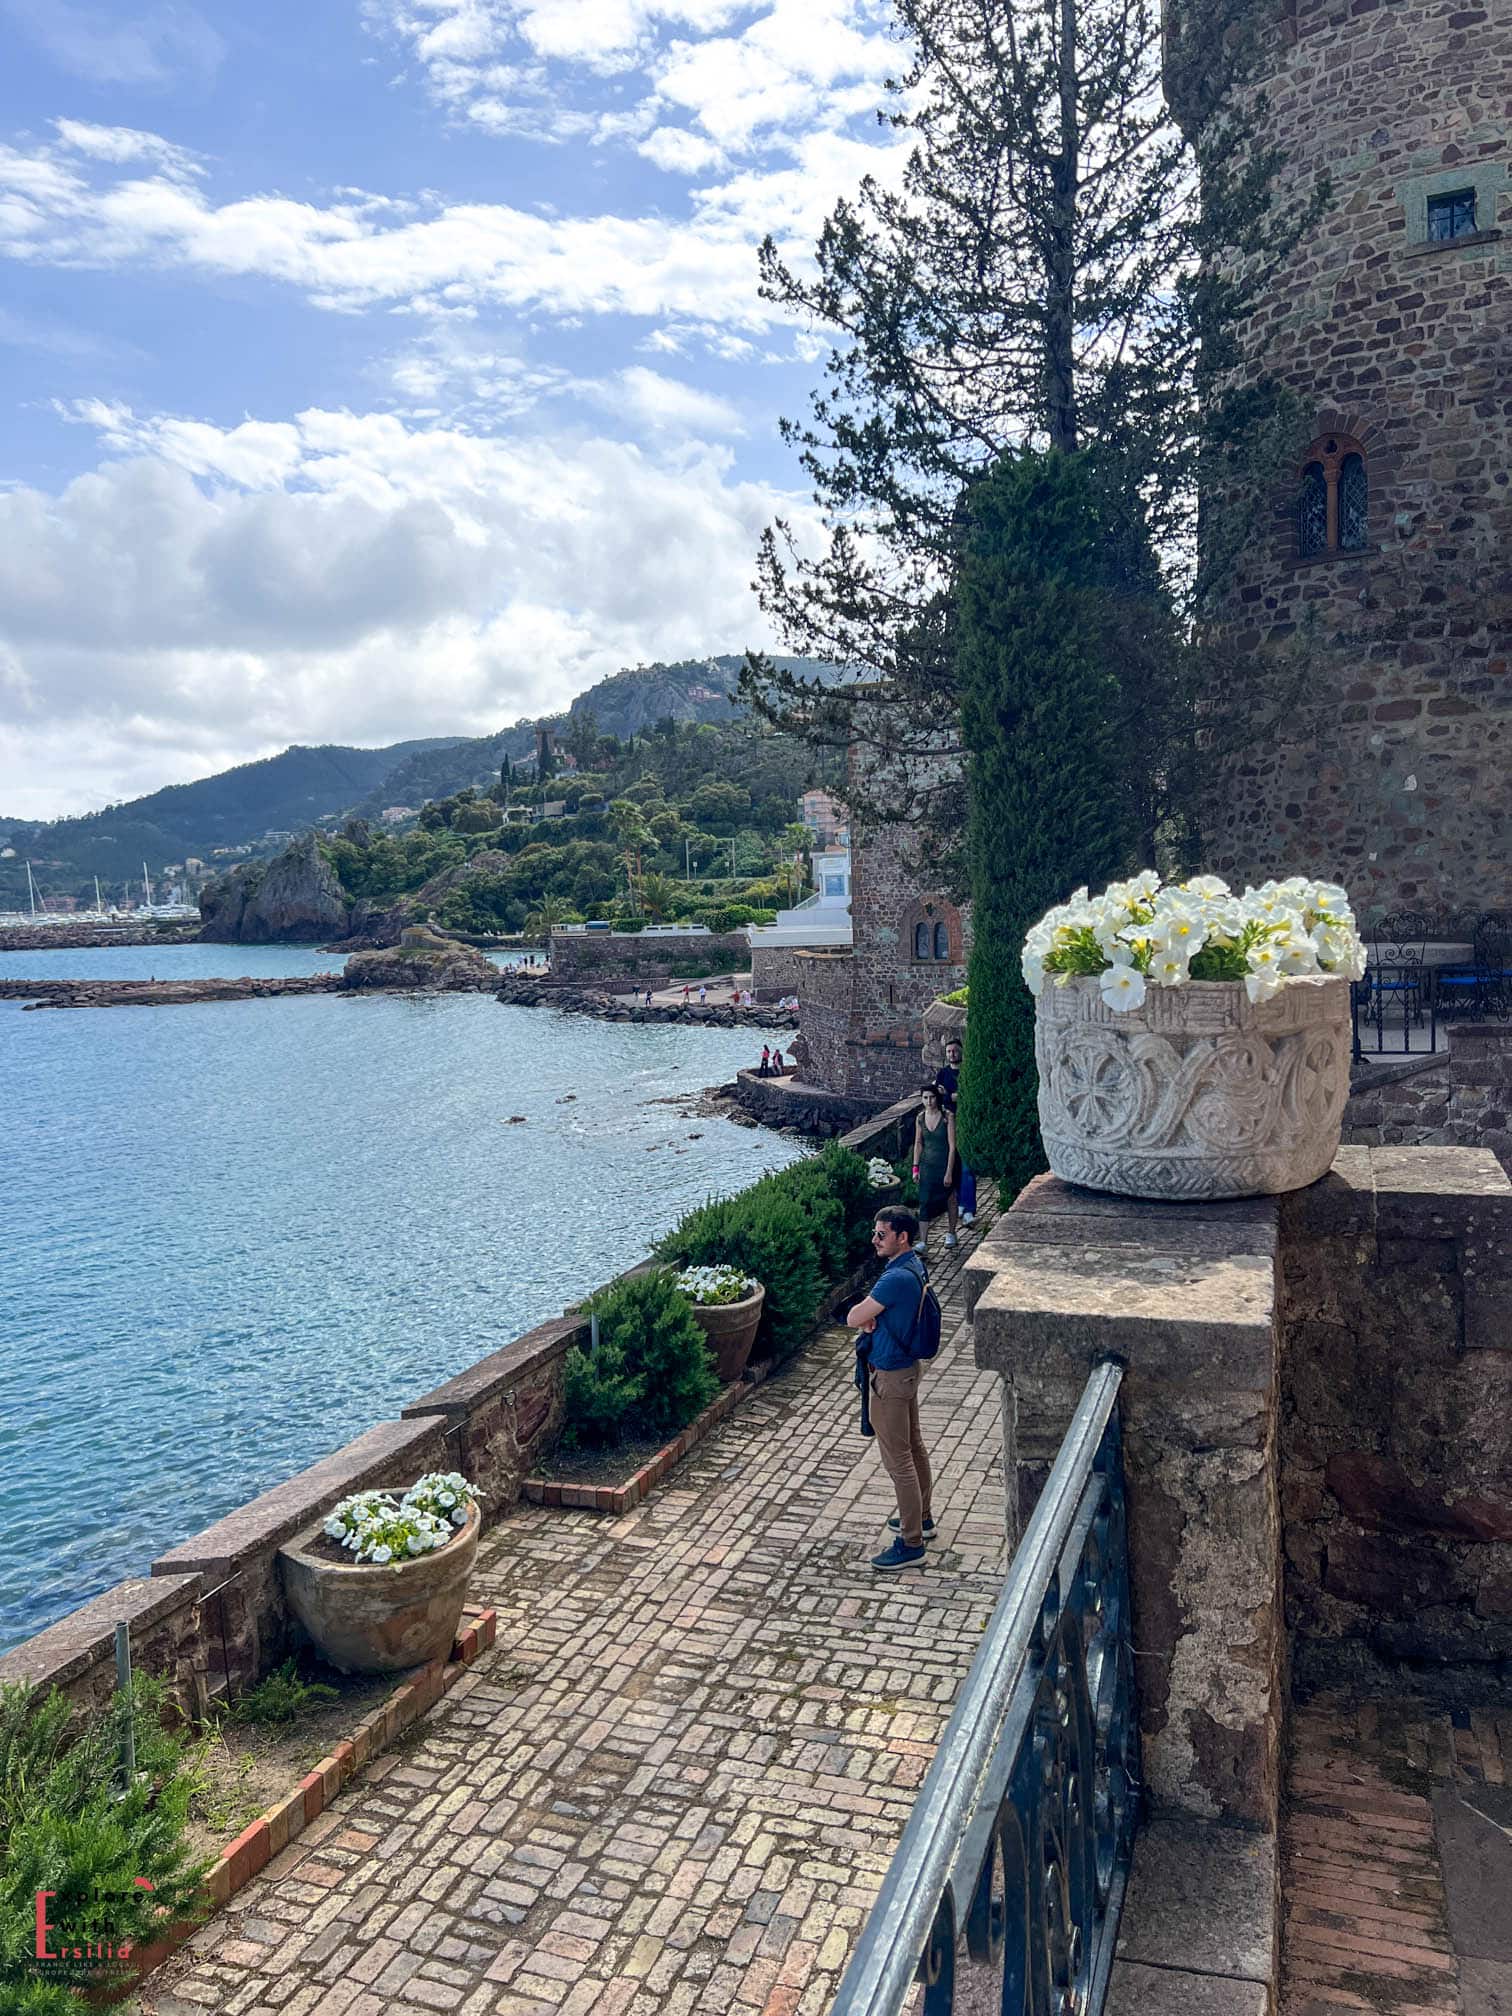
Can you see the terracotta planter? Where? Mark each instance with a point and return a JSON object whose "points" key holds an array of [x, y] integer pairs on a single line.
{"points": [[1199, 1093], [731, 1330], [367, 1618]]}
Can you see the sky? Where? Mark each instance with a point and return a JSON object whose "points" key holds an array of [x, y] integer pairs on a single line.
{"points": [[380, 368]]}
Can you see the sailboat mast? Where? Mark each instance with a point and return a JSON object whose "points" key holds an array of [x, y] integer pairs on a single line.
{"points": [[31, 889], [146, 885]]}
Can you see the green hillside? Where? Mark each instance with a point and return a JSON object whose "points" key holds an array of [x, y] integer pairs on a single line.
{"points": [[625, 704], [235, 809]]}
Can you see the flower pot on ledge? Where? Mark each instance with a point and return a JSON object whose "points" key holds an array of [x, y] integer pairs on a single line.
{"points": [[731, 1330], [369, 1618], [1198, 1093]]}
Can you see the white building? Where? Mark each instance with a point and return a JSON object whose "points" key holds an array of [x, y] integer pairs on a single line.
{"points": [[822, 922]]}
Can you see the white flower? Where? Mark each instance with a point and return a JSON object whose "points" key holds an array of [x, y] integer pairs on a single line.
{"points": [[1261, 986], [1206, 885], [1034, 972], [1170, 969], [1122, 984], [381, 1554]]}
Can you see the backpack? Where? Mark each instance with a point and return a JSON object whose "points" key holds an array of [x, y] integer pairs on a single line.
{"points": [[928, 1319]]}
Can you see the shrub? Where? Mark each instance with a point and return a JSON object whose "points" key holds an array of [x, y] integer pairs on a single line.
{"points": [[652, 1370], [1051, 586], [65, 1827], [282, 1697]]}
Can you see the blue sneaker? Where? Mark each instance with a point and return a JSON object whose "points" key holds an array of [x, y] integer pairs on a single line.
{"points": [[899, 1555]]}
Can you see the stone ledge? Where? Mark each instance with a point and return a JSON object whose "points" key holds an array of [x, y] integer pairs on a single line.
{"points": [[502, 1369], [1201, 1906], [87, 1635], [376, 1458]]}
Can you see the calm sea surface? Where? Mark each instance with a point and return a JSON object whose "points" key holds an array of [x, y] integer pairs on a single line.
{"points": [[235, 1236]]}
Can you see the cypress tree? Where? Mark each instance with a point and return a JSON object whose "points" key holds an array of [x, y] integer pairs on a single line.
{"points": [[1057, 599]]}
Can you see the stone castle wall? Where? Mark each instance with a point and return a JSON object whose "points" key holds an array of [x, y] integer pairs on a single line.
{"points": [[862, 1012], [1395, 775], [598, 958]]}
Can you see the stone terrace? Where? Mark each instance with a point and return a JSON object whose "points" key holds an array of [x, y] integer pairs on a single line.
{"points": [[675, 1782]]}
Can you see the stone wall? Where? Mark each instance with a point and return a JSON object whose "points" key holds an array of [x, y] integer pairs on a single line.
{"points": [[862, 1012], [774, 971], [601, 957], [1462, 1099], [1317, 1412], [1394, 775], [1397, 1419]]}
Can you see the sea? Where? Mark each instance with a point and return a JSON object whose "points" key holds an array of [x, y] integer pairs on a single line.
{"points": [[235, 1235]]}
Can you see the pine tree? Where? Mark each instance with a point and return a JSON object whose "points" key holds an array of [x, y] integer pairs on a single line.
{"points": [[1061, 269]]}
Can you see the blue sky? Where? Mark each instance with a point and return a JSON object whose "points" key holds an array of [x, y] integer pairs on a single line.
{"points": [[374, 368]]}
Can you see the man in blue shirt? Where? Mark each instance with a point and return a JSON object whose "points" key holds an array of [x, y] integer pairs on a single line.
{"points": [[889, 1314]]}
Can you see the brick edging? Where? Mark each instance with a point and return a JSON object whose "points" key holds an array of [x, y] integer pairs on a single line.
{"points": [[624, 1497], [257, 1844]]}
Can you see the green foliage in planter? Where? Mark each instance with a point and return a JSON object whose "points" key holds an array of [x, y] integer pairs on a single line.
{"points": [[959, 999], [770, 1235], [282, 1697], [652, 1371], [63, 1828], [1055, 590]]}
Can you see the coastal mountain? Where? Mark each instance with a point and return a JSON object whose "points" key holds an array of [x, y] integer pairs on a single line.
{"points": [[254, 809], [256, 806], [625, 704]]}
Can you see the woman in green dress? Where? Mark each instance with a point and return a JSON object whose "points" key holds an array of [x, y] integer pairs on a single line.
{"points": [[934, 1161]]}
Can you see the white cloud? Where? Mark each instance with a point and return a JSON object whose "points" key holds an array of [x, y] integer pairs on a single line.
{"points": [[681, 152], [126, 143], [666, 404], [217, 592]]}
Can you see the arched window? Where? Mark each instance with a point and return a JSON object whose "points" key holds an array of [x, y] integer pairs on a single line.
{"points": [[1312, 512], [1333, 507], [931, 928], [1354, 500]]}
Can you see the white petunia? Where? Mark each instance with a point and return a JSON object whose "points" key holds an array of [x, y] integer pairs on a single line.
{"points": [[1122, 984], [1170, 969]]}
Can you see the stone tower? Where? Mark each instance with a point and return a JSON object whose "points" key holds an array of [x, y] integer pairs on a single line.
{"points": [[1394, 527]]}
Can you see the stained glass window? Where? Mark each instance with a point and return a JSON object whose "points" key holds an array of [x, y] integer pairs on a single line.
{"points": [[1451, 216], [1312, 511], [942, 941], [921, 941], [1353, 502]]}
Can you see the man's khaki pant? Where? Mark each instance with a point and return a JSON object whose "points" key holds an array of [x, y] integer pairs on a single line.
{"points": [[895, 1417]]}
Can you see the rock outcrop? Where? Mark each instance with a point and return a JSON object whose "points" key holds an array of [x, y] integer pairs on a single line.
{"points": [[423, 959], [294, 899]]}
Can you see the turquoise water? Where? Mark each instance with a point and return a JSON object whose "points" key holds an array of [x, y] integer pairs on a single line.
{"points": [[235, 1236]]}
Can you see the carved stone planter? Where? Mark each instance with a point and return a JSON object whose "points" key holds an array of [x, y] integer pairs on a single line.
{"points": [[367, 1617], [1199, 1093], [731, 1330]]}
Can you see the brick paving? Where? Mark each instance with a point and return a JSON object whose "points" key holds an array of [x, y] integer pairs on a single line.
{"points": [[675, 1782], [1367, 1917]]}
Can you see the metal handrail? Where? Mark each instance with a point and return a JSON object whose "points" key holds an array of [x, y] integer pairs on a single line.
{"points": [[1069, 1573]]}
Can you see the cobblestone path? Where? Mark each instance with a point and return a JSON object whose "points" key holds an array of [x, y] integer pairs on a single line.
{"points": [[676, 1780]]}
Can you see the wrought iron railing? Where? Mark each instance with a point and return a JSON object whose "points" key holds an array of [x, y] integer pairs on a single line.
{"points": [[1395, 1011], [1014, 1861]]}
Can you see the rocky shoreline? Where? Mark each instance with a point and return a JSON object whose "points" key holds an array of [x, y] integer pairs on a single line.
{"points": [[525, 992], [160, 993], [90, 937]]}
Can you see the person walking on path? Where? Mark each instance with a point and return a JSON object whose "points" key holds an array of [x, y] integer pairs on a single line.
{"points": [[948, 1078], [889, 1314], [934, 1160]]}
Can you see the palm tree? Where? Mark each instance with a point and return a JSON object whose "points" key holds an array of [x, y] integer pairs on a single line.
{"points": [[659, 896], [550, 915]]}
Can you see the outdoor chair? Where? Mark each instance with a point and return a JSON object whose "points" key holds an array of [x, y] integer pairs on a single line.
{"points": [[1396, 972], [1484, 987]]}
